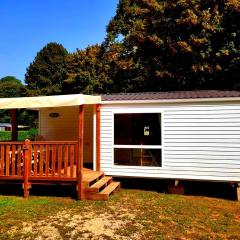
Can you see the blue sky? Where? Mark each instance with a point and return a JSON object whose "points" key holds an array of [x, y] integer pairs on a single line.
{"points": [[28, 25]]}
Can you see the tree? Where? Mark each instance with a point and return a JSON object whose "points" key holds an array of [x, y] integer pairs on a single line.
{"points": [[86, 72], [175, 45], [46, 73], [11, 87]]}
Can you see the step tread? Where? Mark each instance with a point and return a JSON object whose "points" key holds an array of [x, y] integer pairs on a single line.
{"points": [[92, 176], [100, 182], [110, 188]]}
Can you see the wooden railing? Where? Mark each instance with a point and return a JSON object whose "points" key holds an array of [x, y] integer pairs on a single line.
{"points": [[11, 159], [45, 159], [53, 159]]}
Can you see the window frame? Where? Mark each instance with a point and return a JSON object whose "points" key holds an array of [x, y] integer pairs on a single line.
{"points": [[121, 146]]}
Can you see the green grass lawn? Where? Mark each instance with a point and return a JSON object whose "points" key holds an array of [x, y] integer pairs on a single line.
{"points": [[130, 214], [22, 135]]}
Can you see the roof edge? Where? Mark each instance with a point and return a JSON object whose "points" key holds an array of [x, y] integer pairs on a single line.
{"points": [[179, 100]]}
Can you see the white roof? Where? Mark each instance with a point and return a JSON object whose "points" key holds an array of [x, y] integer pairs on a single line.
{"points": [[48, 101]]}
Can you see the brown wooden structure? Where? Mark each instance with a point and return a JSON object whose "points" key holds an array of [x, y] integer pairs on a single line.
{"points": [[55, 162]]}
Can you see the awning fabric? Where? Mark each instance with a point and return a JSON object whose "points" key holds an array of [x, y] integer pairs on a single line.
{"points": [[48, 101]]}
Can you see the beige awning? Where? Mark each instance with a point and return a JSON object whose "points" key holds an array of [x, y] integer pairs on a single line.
{"points": [[48, 101]]}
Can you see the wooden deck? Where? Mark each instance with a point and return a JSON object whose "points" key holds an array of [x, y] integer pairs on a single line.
{"points": [[45, 163]]}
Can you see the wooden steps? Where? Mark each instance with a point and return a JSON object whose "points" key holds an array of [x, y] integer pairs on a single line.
{"points": [[98, 186], [91, 176], [112, 188], [104, 181]]}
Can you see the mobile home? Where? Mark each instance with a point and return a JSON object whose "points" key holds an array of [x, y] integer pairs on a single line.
{"points": [[186, 135]]}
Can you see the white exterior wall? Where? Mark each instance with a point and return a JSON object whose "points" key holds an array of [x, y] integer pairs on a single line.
{"points": [[65, 127], [199, 141], [62, 128]]}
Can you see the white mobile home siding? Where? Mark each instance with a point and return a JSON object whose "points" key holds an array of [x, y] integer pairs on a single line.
{"points": [[199, 141]]}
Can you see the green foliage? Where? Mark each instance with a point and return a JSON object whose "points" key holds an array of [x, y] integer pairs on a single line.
{"points": [[173, 45], [28, 117], [86, 72], [46, 73], [11, 87], [22, 135]]}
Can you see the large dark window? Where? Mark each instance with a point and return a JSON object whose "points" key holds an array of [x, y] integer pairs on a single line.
{"points": [[137, 139], [137, 129]]}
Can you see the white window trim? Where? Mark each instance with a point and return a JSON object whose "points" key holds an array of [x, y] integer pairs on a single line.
{"points": [[138, 110]]}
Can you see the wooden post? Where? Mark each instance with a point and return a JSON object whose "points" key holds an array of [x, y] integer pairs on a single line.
{"points": [[98, 114], [238, 191], [176, 187], [26, 165], [80, 153], [14, 124]]}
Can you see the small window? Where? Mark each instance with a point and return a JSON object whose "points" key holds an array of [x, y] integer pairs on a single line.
{"points": [[138, 157]]}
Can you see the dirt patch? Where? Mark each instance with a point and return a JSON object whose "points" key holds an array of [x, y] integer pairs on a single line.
{"points": [[87, 225]]}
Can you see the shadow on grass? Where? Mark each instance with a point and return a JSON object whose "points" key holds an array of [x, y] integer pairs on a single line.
{"points": [[40, 190], [193, 188]]}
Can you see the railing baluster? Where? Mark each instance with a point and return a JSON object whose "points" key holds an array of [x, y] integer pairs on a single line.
{"points": [[13, 160], [41, 160], [71, 159], [19, 160], [35, 159], [47, 160], [7, 159], [65, 159], [2, 163], [53, 159], [59, 150]]}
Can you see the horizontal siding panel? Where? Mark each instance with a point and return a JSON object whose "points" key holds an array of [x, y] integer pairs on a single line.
{"points": [[105, 144], [172, 176], [204, 107], [222, 120], [223, 168], [208, 133], [213, 166], [200, 156], [203, 112], [106, 150], [189, 161], [106, 139], [105, 135], [207, 125], [107, 154], [202, 116], [105, 114], [228, 129], [206, 137], [171, 173], [205, 170], [194, 149], [203, 144], [205, 153]]}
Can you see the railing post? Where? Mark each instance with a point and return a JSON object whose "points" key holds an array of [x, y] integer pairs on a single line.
{"points": [[80, 153], [98, 114], [27, 154], [14, 124]]}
